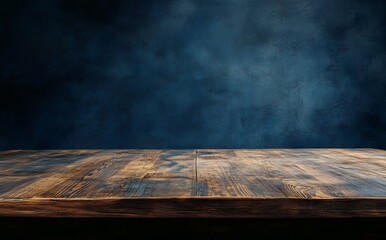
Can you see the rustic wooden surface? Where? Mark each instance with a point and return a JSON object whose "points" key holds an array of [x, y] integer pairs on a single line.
{"points": [[268, 183]]}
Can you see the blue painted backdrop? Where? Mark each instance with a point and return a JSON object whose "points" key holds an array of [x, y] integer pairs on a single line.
{"points": [[192, 74]]}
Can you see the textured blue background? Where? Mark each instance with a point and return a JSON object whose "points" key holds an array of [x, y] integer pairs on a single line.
{"points": [[192, 74]]}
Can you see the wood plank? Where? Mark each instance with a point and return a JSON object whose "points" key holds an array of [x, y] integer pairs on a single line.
{"points": [[124, 181], [287, 176], [37, 185], [86, 181], [114, 173], [27, 163], [274, 173], [171, 175], [356, 177], [145, 173], [31, 167], [223, 173], [9, 152], [318, 173]]}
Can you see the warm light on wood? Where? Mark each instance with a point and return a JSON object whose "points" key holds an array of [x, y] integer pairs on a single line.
{"points": [[194, 183]]}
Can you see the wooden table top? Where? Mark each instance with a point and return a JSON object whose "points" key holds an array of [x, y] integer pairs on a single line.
{"points": [[272, 183]]}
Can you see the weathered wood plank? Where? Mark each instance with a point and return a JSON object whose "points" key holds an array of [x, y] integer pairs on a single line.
{"points": [[278, 170], [145, 173], [124, 181], [27, 169], [170, 174], [126, 173], [317, 173], [352, 178], [223, 173], [85, 181]]}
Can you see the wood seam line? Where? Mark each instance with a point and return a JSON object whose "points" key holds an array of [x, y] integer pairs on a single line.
{"points": [[196, 173]]}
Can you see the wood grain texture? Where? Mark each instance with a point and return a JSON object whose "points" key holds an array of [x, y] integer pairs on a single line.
{"points": [[194, 183], [196, 207]]}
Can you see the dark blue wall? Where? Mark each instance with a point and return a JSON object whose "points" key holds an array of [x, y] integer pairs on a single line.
{"points": [[192, 74]]}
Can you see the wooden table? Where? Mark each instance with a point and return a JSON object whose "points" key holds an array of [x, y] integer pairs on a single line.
{"points": [[209, 183]]}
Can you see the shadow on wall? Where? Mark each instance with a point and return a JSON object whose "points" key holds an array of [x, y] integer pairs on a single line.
{"points": [[192, 74]]}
